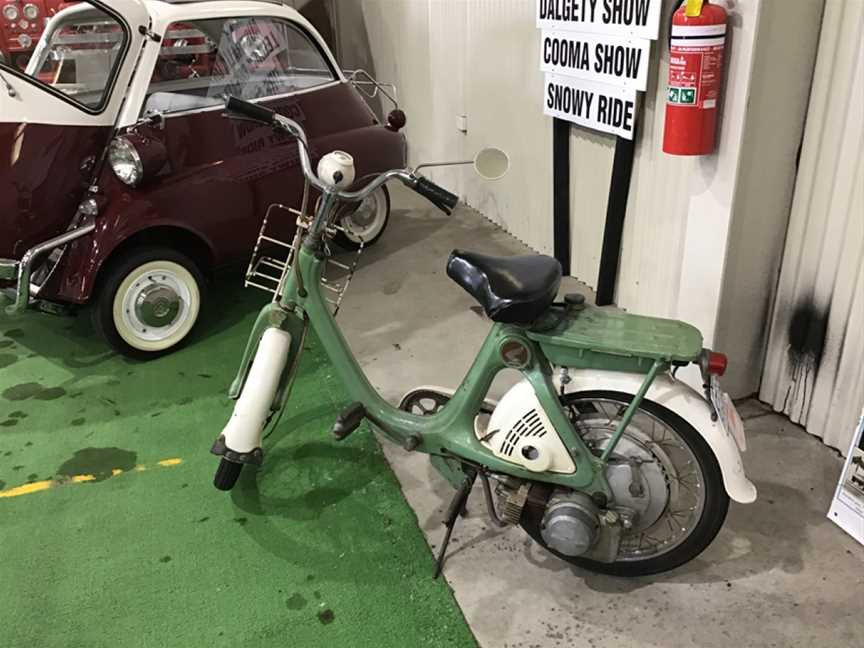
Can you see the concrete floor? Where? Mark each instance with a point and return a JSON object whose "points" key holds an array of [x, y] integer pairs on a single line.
{"points": [[779, 573]]}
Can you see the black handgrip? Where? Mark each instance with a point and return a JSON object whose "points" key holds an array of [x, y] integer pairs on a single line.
{"points": [[442, 198], [250, 110]]}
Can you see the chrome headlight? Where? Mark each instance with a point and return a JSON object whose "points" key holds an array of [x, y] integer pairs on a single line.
{"points": [[10, 12], [31, 11], [125, 161]]}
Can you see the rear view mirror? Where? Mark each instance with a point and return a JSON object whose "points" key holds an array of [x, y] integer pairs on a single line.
{"points": [[491, 164]]}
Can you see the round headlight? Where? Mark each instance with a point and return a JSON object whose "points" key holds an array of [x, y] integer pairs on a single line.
{"points": [[10, 12], [31, 11], [25, 41], [125, 161]]}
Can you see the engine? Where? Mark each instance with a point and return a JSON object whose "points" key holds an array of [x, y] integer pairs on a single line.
{"points": [[571, 524]]}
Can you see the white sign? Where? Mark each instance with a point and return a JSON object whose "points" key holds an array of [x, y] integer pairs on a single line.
{"points": [[639, 18], [603, 58], [599, 106]]}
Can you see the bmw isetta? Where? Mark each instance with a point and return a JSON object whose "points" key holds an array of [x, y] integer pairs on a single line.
{"points": [[122, 184]]}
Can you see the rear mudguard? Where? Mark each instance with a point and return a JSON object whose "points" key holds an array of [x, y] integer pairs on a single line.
{"points": [[686, 403]]}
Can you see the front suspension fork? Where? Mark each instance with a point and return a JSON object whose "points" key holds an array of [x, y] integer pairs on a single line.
{"points": [[268, 368]]}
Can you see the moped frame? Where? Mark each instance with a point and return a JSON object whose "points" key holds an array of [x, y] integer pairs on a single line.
{"points": [[449, 432]]}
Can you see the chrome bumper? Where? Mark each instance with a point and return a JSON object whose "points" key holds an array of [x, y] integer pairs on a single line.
{"points": [[20, 271]]}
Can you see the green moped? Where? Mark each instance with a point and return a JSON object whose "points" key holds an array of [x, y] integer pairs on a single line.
{"points": [[599, 452]]}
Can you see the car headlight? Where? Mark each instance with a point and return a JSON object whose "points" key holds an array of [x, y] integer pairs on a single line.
{"points": [[125, 161], [10, 12], [25, 41], [31, 11]]}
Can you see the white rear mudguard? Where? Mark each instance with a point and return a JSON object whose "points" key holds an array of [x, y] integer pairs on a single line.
{"points": [[242, 434], [686, 403]]}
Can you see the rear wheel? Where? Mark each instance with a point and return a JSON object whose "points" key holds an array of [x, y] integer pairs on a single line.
{"points": [[676, 493], [149, 302], [366, 223]]}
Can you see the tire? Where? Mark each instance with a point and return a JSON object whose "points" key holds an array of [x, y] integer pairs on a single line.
{"points": [[227, 474], [701, 534], [375, 213], [148, 302]]}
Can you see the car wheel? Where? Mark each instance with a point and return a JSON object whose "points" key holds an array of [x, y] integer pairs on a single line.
{"points": [[149, 302], [367, 222]]}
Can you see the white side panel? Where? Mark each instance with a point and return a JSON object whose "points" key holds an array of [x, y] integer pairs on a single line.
{"points": [[814, 370], [689, 405]]}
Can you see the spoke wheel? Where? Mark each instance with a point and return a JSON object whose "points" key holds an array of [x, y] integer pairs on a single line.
{"points": [[675, 492]]}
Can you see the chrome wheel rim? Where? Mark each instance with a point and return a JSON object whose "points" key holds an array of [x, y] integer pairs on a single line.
{"points": [[366, 222], [668, 471]]}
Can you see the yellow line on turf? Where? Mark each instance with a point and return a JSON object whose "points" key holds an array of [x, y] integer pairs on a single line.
{"points": [[36, 487]]}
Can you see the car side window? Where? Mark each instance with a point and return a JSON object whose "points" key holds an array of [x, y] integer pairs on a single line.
{"points": [[79, 53], [203, 61]]}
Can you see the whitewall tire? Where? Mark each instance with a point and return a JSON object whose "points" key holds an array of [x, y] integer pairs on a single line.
{"points": [[366, 222], [149, 302]]}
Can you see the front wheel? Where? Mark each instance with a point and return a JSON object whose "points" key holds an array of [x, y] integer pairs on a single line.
{"points": [[148, 302], [677, 492], [227, 474]]}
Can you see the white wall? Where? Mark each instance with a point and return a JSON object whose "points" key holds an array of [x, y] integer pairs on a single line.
{"points": [[687, 218], [477, 58], [815, 367]]}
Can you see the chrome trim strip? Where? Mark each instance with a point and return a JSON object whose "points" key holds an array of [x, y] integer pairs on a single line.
{"points": [[25, 266]]}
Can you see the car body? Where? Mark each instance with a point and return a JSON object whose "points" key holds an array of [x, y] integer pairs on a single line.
{"points": [[142, 83]]}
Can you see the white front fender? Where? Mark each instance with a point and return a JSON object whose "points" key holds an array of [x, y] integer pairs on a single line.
{"points": [[689, 405]]}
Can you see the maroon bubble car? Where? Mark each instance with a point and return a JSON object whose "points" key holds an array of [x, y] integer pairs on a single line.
{"points": [[123, 186]]}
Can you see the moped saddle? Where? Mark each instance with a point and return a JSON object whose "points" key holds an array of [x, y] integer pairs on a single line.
{"points": [[513, 290]]}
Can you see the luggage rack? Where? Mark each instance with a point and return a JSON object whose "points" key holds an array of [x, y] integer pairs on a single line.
{"points": [[268, 272]]}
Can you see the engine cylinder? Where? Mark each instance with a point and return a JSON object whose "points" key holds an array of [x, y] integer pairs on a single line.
{"points": [[570, 524]]}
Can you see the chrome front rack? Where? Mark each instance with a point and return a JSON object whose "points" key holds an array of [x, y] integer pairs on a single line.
{"points": [[273, 258]]}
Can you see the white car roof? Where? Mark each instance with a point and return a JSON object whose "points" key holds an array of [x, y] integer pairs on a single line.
{"points": [[171, 9]]}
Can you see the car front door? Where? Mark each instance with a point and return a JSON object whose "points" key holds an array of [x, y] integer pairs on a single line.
{"points": [[57, 115]]}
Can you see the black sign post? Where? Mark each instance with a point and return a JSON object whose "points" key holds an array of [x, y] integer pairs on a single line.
{"points": [[561, 192]]}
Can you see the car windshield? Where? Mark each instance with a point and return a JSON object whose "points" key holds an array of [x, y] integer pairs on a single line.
{"points": [[78, 54], [202, 61]]}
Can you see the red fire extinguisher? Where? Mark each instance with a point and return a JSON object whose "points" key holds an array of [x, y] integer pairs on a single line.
{"points": [[696, 48]]}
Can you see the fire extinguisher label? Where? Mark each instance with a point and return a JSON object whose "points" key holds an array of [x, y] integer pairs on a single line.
{"points": [[694, 75]]}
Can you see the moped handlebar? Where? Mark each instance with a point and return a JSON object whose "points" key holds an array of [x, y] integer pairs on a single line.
{"points": [[437, 195]]}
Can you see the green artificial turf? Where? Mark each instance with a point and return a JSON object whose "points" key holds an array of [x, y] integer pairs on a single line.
{"points": [[318, 548]]}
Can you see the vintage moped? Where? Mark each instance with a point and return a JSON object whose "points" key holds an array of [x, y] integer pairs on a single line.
{"points": [[599, 452]]}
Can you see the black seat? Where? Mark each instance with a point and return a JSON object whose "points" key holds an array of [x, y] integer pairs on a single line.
{"points": [[513, 290]]}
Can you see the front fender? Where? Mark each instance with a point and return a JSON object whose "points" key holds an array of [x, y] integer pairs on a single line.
{"points": [[689, 405]]}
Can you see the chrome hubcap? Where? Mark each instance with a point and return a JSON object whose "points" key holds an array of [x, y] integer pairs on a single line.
{"points": [[157, 305]]}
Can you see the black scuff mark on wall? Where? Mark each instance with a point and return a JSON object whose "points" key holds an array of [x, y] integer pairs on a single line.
{"points": [[807, 333]]}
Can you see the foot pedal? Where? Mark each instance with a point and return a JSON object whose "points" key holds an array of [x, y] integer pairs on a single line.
{"points": [[349, 420]]}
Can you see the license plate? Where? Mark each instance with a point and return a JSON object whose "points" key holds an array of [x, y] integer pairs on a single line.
{"points": [[728, 415]]}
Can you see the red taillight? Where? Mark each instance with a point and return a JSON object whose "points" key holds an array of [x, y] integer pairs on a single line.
{"points": [[717, 363]]}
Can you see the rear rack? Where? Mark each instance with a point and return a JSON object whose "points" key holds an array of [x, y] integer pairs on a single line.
{"points": [[273, 258]]}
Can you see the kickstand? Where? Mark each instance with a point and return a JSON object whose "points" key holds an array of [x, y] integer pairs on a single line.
{"points": [[457, 507]]}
